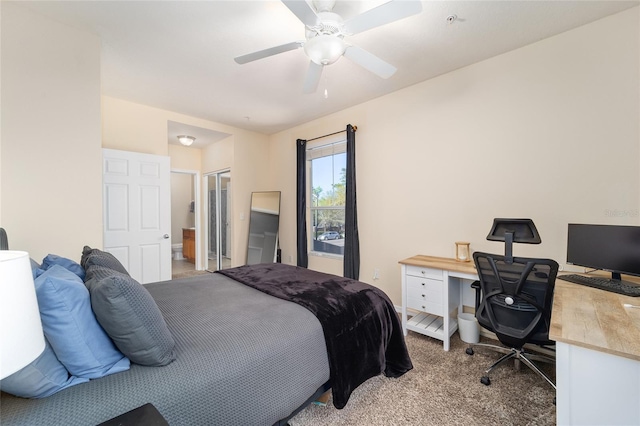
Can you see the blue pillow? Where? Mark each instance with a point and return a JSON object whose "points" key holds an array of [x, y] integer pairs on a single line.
{"points": [[69, 324], [43, 377], [37, 272], [53, 259]]}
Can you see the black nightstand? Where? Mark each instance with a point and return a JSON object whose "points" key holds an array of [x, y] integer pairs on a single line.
{"points": [[146, 415]]}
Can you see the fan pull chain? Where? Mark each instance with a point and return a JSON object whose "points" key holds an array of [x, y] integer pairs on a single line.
{"points": [[326, 85]]}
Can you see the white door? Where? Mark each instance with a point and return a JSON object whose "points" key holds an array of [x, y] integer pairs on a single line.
{"points": [[137, 213]]}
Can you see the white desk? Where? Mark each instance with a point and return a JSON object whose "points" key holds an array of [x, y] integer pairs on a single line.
{"points": [[431, 285], [597, 356]]}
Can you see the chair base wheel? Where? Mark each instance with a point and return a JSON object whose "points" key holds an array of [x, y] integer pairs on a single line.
{"points": [[485, 380], [469, 351]]}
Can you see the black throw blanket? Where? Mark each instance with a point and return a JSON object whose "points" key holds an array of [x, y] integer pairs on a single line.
{"points": [[361, 328]]}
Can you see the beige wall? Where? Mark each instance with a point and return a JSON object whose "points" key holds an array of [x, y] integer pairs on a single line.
{"points": [[185, 159], [51, 157], [134, 127], [249, 172], [548, 131]]}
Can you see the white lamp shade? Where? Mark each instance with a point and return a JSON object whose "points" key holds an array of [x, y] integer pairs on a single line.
{"points": [[324, 49], [21, 337]]}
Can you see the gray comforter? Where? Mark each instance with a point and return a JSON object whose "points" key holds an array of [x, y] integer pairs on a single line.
{"points": [[361, 328], [243, 358]]}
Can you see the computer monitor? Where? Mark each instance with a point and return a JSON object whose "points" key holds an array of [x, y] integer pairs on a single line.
{"points": [[613, 248]]}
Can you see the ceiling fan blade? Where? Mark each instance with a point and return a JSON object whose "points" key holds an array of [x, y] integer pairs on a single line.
{"points": [[381, 15], [303, 11], [250, 57], [370, 62], [313, 77]]}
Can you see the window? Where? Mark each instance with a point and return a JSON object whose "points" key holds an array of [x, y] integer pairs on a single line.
{"points": [[327, 185]]}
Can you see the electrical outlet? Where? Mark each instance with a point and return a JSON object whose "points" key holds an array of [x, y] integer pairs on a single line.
{"points": [[290, 259], [376, 274]]}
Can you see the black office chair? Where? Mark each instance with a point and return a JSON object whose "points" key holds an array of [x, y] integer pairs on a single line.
{"points": [[514, 297]]}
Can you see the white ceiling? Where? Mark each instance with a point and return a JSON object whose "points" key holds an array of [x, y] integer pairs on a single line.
{"points": [[178, 55]]}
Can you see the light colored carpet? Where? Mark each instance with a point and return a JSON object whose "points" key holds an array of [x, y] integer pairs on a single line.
{"points": [[444, 389]]}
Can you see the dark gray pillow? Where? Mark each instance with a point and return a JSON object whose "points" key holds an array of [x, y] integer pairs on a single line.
{"points": [[94, 257], [130, 316], [96, 273]]}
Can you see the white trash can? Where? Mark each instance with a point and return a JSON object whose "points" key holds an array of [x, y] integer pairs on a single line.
{"points": [[468, 328]]}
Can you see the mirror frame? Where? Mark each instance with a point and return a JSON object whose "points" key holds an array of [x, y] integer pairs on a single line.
{"points": [[265, 208]]}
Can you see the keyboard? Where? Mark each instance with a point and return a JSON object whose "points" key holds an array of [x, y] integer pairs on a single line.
{"points": [[616, 286]]}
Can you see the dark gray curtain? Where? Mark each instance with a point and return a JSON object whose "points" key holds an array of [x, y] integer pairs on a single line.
{"points": [[301, 201], [351, 239], [4, 241]]}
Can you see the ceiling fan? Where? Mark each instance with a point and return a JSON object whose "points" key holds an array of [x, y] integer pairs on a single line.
{"points": [[325, 33]]}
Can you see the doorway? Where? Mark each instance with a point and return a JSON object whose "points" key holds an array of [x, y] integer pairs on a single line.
{"points": [[185, 218], [218, 244]]}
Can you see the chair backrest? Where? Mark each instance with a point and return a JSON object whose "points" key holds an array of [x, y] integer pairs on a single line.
{"points": [[517, 296]]}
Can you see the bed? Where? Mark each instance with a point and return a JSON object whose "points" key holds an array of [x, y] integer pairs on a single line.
{"points": [[242, 356]]}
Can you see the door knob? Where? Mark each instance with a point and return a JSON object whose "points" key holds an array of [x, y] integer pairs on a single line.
{"points": [[165, 236]]}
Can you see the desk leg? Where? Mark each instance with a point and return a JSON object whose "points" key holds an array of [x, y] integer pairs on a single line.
{"points": [[404, 300], [446, 320]]}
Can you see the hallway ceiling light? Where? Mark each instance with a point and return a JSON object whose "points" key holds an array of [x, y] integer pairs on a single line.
{"points": [[186, 140]]}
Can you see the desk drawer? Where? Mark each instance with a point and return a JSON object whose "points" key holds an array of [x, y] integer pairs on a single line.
{"points": [[425, 306], [418, 271], [424, 288], [432, 288], [425, 294]]}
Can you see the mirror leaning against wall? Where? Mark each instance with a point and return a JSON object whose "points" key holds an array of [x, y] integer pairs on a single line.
{"points": [[264, 222]]}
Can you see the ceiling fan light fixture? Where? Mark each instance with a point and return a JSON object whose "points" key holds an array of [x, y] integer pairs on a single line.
{"points": [[324, 49], [186, 140]]}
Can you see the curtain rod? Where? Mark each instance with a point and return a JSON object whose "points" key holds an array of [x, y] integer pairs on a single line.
{"points": [[355, 128]]}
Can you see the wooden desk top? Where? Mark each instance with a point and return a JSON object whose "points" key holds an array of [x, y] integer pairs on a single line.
{"points": [[444, 263], [595, 319]]}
